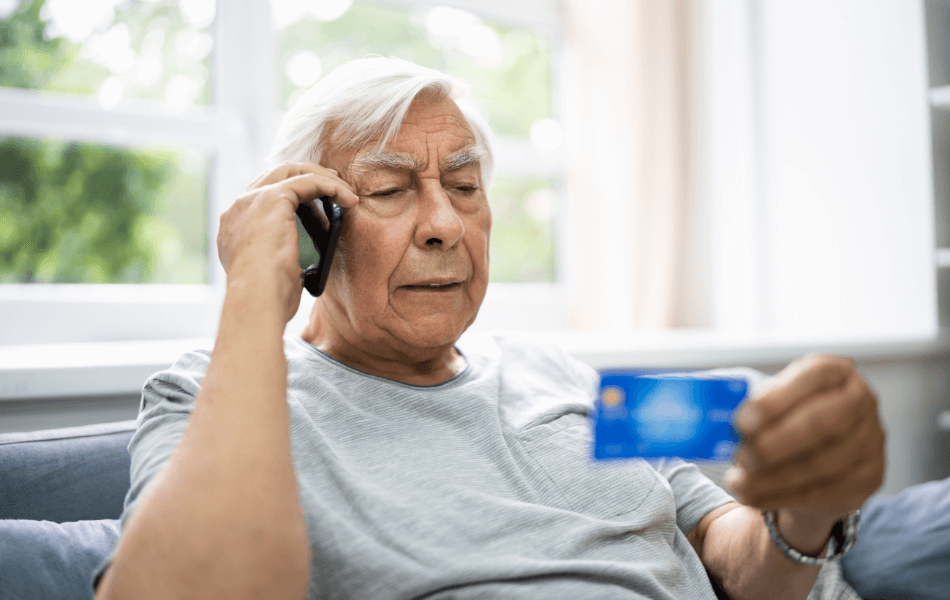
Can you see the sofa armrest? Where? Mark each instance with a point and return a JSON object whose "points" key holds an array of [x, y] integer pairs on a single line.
{"points": [[42, 560], [62, 475]]}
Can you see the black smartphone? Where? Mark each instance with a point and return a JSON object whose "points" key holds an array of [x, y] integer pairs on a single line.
{"points": [[322, 221]]}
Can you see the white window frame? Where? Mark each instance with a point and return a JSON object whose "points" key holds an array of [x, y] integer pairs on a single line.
{"points": [[227, 130]]}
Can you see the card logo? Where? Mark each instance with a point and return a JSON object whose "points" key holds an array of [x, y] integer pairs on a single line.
{"points": [[611, 396]]}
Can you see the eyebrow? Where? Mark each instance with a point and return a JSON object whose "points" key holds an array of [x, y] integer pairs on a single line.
{"points": [[372, 161], [467, 156]]}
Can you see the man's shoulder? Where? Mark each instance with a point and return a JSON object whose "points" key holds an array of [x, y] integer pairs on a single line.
{"points": [[537, 381], [187, 372]]}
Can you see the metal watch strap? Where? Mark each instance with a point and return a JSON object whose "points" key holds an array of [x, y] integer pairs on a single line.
{"points": [[844, 534]]}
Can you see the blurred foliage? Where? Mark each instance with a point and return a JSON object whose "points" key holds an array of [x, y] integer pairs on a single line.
{"points": [[522, 236], [28, 59], [74, 212], [82, 213], [513, 91], [145, 49]]}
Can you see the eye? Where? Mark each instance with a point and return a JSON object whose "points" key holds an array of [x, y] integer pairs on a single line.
{"points": [[467, 189], [386, 193]]}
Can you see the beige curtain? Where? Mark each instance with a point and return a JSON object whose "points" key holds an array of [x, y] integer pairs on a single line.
{"points": [[628, 121]]}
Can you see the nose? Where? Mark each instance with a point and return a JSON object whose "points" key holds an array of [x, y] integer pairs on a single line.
{"points": [[439, 225]]}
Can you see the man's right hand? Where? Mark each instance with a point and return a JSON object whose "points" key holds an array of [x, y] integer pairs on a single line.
{"points": [[257, 238], [241, 539]]}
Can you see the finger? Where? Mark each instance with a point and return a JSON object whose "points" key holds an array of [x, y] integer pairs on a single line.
{"points": [[307, 187], [802, 378], [815, 423], [850, 485], [278, 173], [814, 468], [288, 170], [285, 170]]}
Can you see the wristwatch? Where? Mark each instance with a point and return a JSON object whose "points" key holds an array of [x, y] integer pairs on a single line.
{"points": [[844, 534]]}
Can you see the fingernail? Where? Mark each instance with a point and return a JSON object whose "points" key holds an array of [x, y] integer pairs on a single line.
{"points": [[749, 419], [746, 459]]}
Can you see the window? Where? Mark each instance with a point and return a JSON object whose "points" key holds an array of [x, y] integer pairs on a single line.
{"points": [[127, 126], [108, 142]]}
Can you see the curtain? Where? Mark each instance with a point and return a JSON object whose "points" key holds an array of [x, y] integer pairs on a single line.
{"points": [[629, 185]]}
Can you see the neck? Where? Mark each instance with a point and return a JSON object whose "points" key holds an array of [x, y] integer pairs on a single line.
{"points": [[388, 359]]}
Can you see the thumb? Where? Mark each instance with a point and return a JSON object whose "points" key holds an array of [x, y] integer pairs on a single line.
{"points": [[798, 381]]}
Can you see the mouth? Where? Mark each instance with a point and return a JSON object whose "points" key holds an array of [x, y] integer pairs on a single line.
{"points": [[435, 285]]}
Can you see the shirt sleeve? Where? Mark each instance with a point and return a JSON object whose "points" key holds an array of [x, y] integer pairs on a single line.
{"points": [[694, 493], [168, 398]]}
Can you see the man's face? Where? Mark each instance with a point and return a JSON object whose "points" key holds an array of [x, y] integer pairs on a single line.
{"points": [[412, 268]]}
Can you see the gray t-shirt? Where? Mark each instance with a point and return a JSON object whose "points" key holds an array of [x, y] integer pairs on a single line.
{"points": [[480, 487]]}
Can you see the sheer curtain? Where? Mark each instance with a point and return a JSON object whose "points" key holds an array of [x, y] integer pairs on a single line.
{"points": [[628, 115], [757, 168]]}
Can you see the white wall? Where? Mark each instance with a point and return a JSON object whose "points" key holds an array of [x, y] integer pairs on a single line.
{"points": [[844, 153]]}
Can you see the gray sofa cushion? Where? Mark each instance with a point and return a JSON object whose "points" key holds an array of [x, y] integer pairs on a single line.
{"points": [[904, 547], [40, 560], [62, 475]]}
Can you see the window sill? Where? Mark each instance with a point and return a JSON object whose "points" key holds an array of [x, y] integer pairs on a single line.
{"points": [[106, 368], [706, 349], [85, 369]]}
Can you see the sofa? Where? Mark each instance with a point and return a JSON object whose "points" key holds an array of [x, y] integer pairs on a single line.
{"points": [[62, 492], [61, 495]]}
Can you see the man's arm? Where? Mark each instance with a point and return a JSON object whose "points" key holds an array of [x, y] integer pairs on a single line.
{"points": [[734, 545], [813, 451], [223, 518]]}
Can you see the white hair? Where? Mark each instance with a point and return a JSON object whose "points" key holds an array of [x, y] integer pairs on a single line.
{"points": [[365, 99]]}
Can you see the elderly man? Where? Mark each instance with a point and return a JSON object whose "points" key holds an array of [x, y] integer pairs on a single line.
{"points": [[377, 456]]}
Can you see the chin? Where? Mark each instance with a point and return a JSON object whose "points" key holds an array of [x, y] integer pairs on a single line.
{"points": [[432, 333], [446, 334]]}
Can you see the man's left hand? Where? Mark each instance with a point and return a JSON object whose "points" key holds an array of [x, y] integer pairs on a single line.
{"points": [[812, 442]]}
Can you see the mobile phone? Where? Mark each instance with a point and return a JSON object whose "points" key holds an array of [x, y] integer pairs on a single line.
{"points": [[686, 415], [322, 220]]}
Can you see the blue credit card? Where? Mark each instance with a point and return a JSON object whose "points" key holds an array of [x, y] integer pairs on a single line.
{"points": [[667, 415]]}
